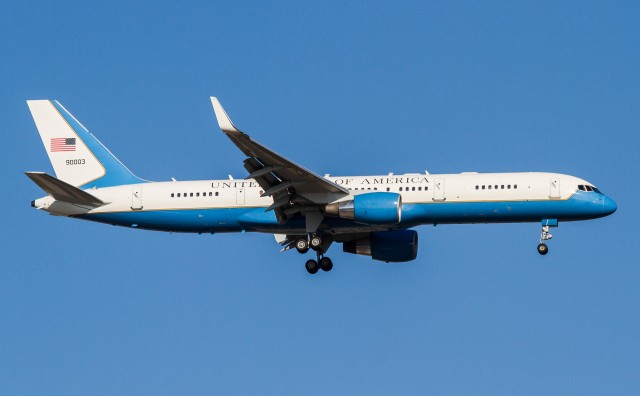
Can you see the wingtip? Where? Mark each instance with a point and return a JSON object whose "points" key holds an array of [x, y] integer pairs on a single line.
{"points": [[224, 122]]}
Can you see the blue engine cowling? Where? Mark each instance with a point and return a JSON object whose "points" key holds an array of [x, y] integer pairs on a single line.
{"points": [[389, 246], [378, 208]]}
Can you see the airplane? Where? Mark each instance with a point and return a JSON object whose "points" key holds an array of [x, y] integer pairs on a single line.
{"points": [[369, 215]]}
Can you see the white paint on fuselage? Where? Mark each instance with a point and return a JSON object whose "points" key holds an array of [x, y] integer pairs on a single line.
{"points": [[414, 188]]}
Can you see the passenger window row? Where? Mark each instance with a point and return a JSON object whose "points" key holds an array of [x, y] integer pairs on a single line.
{"points": [[496, 187], [389, 188], [185, 195], [414, 188]]}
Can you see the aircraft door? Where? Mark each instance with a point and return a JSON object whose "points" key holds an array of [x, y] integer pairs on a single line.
{"points": [[438, 190], [136, 198], [554, 188], [240, 196]]}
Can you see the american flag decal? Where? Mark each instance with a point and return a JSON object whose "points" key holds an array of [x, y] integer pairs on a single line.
{"points": [[63, 144]]}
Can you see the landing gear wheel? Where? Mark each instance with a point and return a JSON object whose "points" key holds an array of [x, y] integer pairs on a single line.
{"points": [[316, 243], [302, 246], [326, 264], [311, 266], [543, 249]]}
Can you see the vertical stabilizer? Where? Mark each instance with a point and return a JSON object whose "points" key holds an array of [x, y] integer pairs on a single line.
{"points": [[77, 157]]}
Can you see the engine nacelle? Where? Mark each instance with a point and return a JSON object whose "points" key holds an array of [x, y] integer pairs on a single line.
{"points": [[378, 208], [389, 246]]}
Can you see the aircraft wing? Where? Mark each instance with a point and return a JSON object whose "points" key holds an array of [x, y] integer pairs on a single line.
{"points": [[278, 176]]}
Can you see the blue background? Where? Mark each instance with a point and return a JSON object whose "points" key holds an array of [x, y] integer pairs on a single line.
{"points": [[342, 88]]}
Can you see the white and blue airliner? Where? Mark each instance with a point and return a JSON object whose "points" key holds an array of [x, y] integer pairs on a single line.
{"points": [[368, 215]]}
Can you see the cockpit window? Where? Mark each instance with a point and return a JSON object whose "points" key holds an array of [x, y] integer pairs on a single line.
{"points": [[586, 187]]}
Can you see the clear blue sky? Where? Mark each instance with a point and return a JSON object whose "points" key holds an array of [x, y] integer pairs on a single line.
{"points": [[342, 88]]}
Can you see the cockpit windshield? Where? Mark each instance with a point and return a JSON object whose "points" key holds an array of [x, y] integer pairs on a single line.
{"points": [[587, 187]]}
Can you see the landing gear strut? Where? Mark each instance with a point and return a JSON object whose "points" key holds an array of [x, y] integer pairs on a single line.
{"points": [[544, 236]]}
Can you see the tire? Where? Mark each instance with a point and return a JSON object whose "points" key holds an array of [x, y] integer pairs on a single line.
{"points": [[316, 243], [326, 264], [543, 249], [302, 246], [311, 266]]}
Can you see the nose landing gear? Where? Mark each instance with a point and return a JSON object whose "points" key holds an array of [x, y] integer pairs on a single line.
{"points": [[545, 235]]}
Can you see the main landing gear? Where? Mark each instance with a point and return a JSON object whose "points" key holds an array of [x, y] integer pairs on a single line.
{"points": [[544, 236], [314, 242]]}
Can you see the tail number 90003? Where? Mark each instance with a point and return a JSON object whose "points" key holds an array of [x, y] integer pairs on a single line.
{"points": [[79, 161]]}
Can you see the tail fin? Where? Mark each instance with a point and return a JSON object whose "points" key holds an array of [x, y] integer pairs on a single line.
{"points": [[78, 158]]}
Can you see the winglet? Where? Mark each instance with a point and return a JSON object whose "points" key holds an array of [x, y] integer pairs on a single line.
{"points": [[223, 119]]}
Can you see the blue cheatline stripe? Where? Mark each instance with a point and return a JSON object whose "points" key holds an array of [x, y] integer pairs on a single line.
{"points": [[116, 173], [582, 206]]}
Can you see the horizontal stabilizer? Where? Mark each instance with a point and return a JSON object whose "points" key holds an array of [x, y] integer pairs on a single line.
{"points": [[62, 191]]}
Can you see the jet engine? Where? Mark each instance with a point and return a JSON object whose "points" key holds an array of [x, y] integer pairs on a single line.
{"points": [[389, 246], [378, 208]]}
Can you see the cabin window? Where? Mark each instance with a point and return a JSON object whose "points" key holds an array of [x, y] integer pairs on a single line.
{"points": [[178, 195], [483, 187], [420, 188], [197, 194], [477, 187], [172, 194], [400, 188], [388, 189], [210, 193], [216, 193], [413, 189], [508, 186], [502, 187], [375, 189], [515, 186], [184, 195], [489, 186], [191, 195]]}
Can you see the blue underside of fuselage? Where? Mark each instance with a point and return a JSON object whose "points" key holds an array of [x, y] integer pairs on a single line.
{"points": [[581, 206]]}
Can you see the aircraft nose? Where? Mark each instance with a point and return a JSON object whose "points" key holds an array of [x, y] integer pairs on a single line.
{"points": [[608, 206]]}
